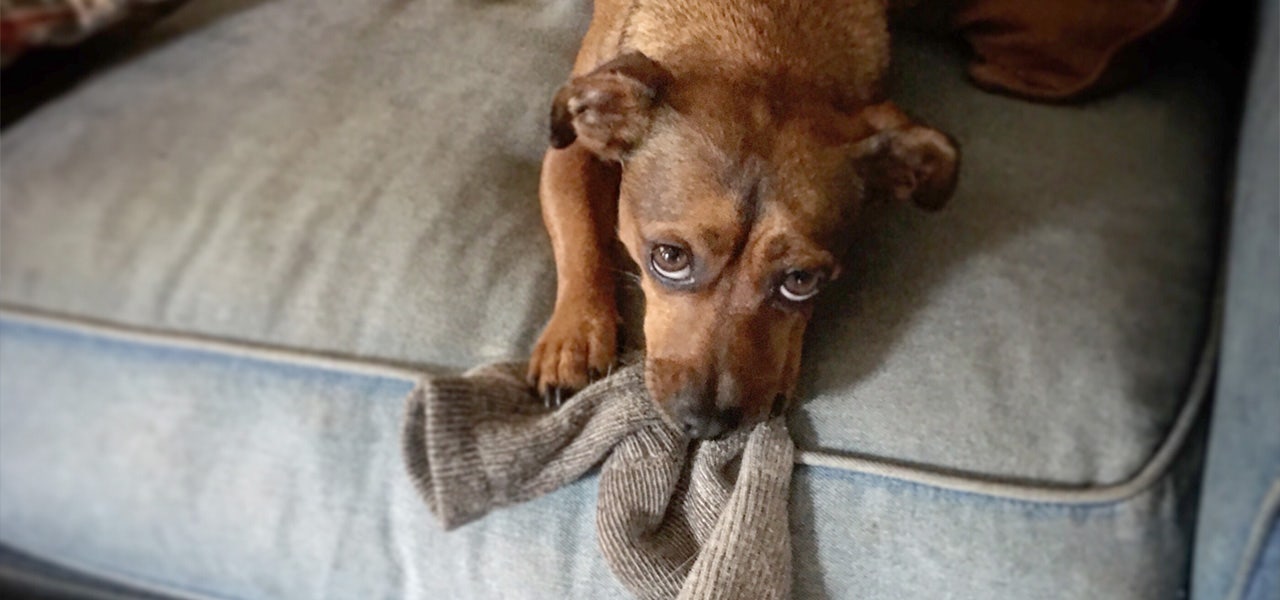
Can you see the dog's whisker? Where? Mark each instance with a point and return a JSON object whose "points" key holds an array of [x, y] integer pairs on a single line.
{"points": [[628, 274]]}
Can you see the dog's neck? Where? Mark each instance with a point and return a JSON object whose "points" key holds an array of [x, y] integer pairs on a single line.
{"points": [[834, 48]]}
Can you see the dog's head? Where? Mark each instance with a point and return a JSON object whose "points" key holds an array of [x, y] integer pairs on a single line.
{"points": [[737, 200]]}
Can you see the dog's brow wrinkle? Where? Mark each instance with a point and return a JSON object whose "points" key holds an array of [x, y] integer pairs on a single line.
{"points": [[713, 239], [745, 178], [749, 204], [748, 207], [776, 248]]}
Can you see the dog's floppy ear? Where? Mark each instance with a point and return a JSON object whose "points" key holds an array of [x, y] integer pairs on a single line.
{"points": [[906, 161], [609, 109]]}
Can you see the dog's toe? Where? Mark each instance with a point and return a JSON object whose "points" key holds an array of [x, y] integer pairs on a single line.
{"points": [[572, 371], [571, 353]]}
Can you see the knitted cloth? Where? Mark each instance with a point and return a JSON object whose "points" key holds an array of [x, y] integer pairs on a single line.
{"points": [[674, 519]]}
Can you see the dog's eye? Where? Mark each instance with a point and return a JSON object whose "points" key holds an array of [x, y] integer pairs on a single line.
{"points": [[671, 262], [799, 286]]}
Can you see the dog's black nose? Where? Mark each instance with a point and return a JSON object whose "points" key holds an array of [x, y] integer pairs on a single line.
{"points": [[696, 409], [708, 424]]}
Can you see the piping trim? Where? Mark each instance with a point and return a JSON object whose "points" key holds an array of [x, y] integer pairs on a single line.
{"points": [[1151, 471]]}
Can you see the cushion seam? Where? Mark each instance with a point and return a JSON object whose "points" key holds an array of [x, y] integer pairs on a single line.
{"points": [[1166, 451], [1251, 556], [113, 576]]}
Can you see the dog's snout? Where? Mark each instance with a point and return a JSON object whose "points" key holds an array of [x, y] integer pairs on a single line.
{"points": [[709, 425], [698, 417]]}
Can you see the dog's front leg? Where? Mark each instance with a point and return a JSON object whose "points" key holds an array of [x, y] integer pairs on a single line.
{"points": [[579, 195]]}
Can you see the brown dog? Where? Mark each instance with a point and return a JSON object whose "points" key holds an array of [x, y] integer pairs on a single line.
{"points": [[729, 144]]}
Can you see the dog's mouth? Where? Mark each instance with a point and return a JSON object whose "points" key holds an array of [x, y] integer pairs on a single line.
{"points": [[780, 404], [696, 421]]}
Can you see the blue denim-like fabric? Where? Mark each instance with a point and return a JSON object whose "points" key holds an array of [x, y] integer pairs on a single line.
{"points": [[1243, 456], [1263, 581], [235, 478], [228, 477]]}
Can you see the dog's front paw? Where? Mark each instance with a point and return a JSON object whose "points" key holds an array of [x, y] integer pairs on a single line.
{"points": [[578, 345]]}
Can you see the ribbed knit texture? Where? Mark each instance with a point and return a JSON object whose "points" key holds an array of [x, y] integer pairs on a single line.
{"points": [[674, 519]]}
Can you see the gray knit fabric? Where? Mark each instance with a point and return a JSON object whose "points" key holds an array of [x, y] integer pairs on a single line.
{"points": [[674, 519]]}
